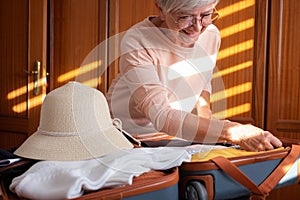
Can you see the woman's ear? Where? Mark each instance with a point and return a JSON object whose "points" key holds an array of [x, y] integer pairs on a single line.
{"points": [[161, 13]]}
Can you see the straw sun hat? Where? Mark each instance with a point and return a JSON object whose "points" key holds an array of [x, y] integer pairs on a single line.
{"points": [[75, 124]]}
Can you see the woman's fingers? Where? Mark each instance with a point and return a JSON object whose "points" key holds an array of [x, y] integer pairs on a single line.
{"points": [[252, 138]]}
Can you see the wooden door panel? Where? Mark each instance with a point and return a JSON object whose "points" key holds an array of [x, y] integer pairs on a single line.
{"points": [[77, 28], [239, 65], [13, 62], [284, 69], [23, 42]]}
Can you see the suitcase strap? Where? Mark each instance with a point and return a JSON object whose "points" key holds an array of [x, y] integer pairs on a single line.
{"points": [[269, 183]]}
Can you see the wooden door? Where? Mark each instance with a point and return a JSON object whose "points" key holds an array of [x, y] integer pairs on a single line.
{"points": [[284, 69], [23, 46], [77, 42]]}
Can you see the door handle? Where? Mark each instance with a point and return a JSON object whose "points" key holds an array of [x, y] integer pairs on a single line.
{"points": [[36, 72]]}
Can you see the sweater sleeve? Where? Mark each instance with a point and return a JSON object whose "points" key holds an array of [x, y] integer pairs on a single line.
{"points": [[151, 98]]}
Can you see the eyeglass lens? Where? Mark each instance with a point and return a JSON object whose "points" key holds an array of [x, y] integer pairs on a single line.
{"points": [[205, 20]]}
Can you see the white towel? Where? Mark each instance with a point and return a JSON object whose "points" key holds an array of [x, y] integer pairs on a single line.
{"points": [[69, 179]]}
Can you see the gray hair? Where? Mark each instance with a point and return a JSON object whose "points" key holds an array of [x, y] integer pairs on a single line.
{"points": [[173, 6]]}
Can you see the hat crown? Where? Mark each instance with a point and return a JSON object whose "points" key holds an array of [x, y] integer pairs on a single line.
{"points": [[74, 108]]}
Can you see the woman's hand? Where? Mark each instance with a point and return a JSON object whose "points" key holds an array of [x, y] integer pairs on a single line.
{"points": [[252, 138]]}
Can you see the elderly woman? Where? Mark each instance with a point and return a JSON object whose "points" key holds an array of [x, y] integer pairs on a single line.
{"points": [[164, 84]]}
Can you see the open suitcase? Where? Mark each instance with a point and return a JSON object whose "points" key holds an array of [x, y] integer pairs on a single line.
{"points": [[232, 173]]}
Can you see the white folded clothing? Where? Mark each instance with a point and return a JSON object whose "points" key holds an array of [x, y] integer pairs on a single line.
{"points": [[69, 179]]}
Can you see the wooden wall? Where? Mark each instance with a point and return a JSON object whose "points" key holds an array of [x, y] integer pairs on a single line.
{"points": [[258, 69], [257, 74]]}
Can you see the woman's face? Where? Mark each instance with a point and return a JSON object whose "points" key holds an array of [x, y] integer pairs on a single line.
{"points": [[186, 27]]}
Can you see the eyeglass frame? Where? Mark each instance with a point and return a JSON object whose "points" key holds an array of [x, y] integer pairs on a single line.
{"points": [[194, 18]]}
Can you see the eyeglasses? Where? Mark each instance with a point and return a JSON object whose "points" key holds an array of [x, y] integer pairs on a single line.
{"points": [[205, 19]]}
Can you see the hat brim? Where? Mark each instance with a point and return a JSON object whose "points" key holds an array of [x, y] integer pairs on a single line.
{"points": [[75, 147]]}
